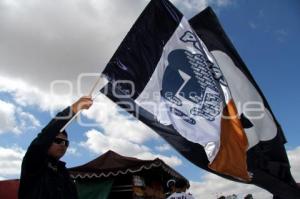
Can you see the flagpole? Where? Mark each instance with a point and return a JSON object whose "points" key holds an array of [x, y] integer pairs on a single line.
{"points": [[78, 112]]}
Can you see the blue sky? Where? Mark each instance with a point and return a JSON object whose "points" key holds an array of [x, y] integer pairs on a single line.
{"points": [[58, 40]]}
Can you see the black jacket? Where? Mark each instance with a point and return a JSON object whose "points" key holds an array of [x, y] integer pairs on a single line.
{"points": [[41, 176]]}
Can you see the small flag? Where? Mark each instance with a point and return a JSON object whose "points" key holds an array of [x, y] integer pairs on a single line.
{"points": [[266, 156]]}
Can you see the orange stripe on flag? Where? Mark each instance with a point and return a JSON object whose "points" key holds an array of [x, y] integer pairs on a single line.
{"points": [[232, 156]]}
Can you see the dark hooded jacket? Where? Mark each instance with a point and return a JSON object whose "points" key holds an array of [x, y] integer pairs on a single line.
{"points": [[43, 177]]}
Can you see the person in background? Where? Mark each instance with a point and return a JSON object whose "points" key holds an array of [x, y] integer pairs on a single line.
{"points": [[43, 174], [180, 190], [171, 187]]}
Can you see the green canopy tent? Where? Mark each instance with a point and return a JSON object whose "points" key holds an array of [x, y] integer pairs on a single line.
{"points": [[115, 176], [94, 189]]}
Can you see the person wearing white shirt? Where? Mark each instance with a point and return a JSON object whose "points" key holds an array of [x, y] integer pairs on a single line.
{"points": [[180, 191]]}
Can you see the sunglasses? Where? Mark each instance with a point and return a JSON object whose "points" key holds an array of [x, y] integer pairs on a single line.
{"points": [[60, 140]]}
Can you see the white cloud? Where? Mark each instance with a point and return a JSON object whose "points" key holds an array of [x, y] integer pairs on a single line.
{"points": [[170, 160], [26, 94], [212, 185], [294, 157], [38, 40], [116, 125], [73, 151], [190, 7], [98, 143], [221, 3], [7, 117], [164, 147], [10, 161], [14, 119], [27, 120]]}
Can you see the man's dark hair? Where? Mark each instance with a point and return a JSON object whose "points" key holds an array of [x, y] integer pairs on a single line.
{"points": [[180, 183]]}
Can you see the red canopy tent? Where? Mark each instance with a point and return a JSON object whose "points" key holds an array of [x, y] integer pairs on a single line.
{"points": [[9, 189]]}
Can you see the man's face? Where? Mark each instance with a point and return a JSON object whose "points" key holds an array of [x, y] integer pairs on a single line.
{"points": [[58, 147]]}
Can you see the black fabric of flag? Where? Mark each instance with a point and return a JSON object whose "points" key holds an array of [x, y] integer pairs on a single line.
{"points": [[267, 159]]}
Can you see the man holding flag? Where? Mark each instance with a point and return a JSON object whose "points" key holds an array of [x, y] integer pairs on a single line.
{"points": [[43, 174]]}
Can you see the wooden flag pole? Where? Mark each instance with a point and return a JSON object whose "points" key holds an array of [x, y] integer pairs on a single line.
{"points": [[95, 85], [78, 112]]}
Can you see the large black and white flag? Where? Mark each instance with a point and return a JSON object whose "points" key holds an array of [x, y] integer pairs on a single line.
{"points": [[266, 156], [164, 75]]}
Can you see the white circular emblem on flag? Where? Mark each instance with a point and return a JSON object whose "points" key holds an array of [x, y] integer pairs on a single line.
{"points": [[189, 87]]}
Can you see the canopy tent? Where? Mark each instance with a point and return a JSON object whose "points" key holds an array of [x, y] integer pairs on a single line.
{"points": [[9, 189], [115, 176]]}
